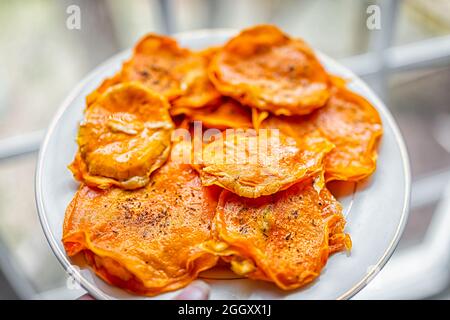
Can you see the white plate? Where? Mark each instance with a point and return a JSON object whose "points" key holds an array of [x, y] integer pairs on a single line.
{"points": [[376, 213]]}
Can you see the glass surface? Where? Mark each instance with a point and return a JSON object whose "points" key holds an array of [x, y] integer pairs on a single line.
{"points": [[43, 60]]}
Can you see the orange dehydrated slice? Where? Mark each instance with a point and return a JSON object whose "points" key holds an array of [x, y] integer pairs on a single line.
{"points": [[124, 137], [163, 66], [285, 238], [258, 117], [227, 114], [351, 123], [105, 85], [265, 69], [201, 92], [252, 164], [147, 241]]}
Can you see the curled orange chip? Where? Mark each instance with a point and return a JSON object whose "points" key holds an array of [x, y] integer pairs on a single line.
{"points": [[351, 123], [147, 241], [227, 114], [105, 85], [201, 92], [265, 69], [258, 117], [161, 65], [285, 238], [124, 137], [252, 164], [354, 126]]}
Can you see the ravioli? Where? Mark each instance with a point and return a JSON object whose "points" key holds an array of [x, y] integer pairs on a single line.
{"points": [[124, 137], [351, 123], [252, 164], [162, 65], [227, 114], [265, 69], [285, 238], [149, 240]]}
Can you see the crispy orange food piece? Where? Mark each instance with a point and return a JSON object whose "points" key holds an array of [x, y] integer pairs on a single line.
{"points": [[147, 241], [201, 92], [351, 123], [105, 85], [124, 137], [227, 114], [258, 117], [285, 238], [263, 68], [252, 164], [161, 65]]}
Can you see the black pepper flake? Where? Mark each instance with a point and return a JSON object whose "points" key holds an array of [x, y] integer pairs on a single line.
{"points": [[144, 73]]}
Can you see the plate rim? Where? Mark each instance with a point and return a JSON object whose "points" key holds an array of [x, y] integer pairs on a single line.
{"points": [[94, 290]]}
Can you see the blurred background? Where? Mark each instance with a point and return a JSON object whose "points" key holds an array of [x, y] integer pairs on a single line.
{"points": [[406, 61]]}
